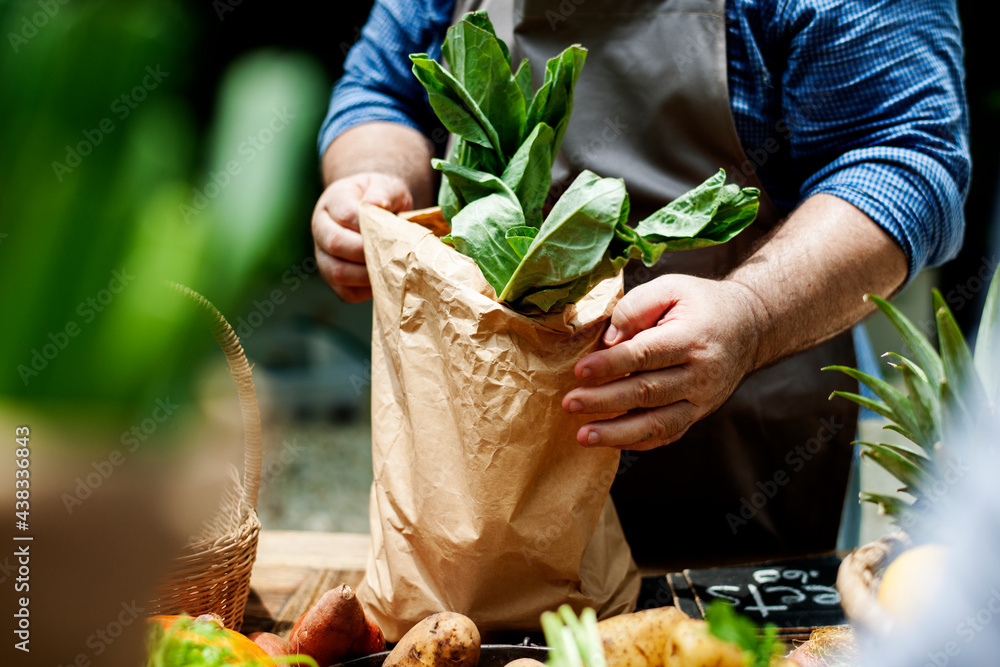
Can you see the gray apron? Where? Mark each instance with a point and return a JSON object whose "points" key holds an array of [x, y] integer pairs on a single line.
{"points": [[765, 474]]}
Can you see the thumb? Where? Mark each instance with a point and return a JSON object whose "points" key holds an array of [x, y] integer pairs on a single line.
{"points": [[638, 310], [388, 192]]}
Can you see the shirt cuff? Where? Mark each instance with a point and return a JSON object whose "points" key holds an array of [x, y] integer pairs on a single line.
{"points": [[908, 194], [334, 126]]}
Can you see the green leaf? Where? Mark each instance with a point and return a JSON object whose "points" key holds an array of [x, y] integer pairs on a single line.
{"points": [[479, 231], [924, 400], [466, 185], [899, 406], [926, 356], [878, 408], [910, 474], [687, 215], [758, 647], [988, 341], [529, 173], [888, 505], [959, 368], [574, 238], [480, 63], [736, 211], [523, 79], [629, 244], [520, 238], [481, 19], [553, 103], [453, 105], [914, 457]]}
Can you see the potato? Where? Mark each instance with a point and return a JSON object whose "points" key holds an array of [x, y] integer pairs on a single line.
{"points": [[692, 645], [336, 627], [525, 662], [639, 639], [272, 644], [446, 638]]}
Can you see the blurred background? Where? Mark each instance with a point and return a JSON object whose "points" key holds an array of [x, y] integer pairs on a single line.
{"points": [[161, 140]]}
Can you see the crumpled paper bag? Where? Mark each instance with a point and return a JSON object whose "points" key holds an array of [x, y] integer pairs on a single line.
{"points": [[483, 502]]}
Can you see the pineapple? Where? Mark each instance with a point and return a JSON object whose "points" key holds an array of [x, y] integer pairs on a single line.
{"points": [[945, 395]]}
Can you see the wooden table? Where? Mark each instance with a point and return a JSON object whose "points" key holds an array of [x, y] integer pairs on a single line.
{"points": [[293, 569]]}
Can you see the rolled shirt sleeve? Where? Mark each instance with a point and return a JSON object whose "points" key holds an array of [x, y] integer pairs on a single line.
{"points": [[377, 84], [877, 115]]}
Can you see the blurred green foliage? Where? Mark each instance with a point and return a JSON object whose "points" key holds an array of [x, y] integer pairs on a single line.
{"points": [[108, 188]]}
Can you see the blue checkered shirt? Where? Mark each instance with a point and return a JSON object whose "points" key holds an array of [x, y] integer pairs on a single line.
{"points": [[861, 99]]}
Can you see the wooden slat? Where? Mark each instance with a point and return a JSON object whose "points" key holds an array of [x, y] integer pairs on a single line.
{"points": [[298, 548]]}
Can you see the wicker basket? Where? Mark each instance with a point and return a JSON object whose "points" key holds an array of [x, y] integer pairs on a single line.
{"points": [[213, 574], [858, 580]]}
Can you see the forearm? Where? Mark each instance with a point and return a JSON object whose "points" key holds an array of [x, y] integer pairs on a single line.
{"points": [[810, 275], [387, 148]]}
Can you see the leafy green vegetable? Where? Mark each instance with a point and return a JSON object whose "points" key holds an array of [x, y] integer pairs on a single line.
{"points": [[481, 65], [529, 172], [453, 105], [498, 174], [574, 237], [727, 625]]}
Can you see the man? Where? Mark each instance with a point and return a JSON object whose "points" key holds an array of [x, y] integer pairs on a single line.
{"points": [[850, 116]]}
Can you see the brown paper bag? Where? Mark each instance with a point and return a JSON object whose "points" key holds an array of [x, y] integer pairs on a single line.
{"points": [[483, 502]]}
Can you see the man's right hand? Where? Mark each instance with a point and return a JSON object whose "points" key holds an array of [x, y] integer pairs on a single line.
{"points": [[340, 254]]}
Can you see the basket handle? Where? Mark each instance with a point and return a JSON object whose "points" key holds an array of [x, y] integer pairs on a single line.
{"points": [[239, 370]]}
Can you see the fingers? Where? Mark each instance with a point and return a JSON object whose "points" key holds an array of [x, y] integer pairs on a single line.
{"points": [[642, 429], [639, 310], [642, 390], [335, 239], [340, 252], [652, 349], [388, 192]]}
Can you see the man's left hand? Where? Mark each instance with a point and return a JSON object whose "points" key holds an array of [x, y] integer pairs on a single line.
{"points": [[678, 347]]}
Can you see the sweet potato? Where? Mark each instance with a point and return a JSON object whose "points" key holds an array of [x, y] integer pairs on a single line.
{"points": [[446, 638], [272, 644], [691, 643], [336, 627], [639, 639]]}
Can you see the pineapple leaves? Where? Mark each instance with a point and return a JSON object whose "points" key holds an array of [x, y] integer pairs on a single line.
{"points": [[897, 407], [926, 356], [959, 369], [887, 505], [903, 467]]}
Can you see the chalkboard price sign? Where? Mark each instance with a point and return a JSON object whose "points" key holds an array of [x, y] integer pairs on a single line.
{"points": [[794, 595]]}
